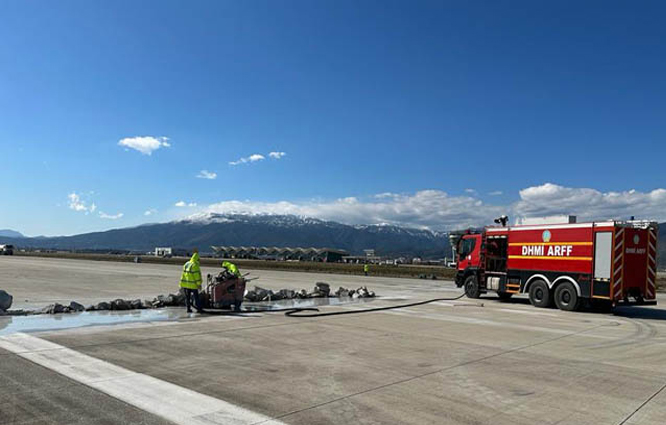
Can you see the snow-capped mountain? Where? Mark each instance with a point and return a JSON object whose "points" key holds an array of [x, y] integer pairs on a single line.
{"points": [[205, 230]]}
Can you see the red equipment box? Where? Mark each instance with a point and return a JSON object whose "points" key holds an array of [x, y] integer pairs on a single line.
{"points": [[227, 293]]}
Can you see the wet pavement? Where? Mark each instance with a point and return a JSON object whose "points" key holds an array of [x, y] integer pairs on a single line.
{"points": [[53, 322], [303, 303]]}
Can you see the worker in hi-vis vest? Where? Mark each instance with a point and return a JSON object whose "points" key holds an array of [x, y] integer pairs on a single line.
{"points": [[190, 281], [231, 268], [366, 269]]}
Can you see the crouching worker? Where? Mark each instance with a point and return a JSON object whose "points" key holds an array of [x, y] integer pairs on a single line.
{"points": [[231, 269], [190, 281]]}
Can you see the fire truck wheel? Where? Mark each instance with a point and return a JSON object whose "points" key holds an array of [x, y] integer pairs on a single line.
{"points": [[566, 297], [472, 287], [503, 296], [540, 294]]}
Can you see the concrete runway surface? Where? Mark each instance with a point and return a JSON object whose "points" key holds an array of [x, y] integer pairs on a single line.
{"points": [[461, 362]]}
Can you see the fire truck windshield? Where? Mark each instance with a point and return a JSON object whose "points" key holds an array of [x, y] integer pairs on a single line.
{"points": [[466, 247]]}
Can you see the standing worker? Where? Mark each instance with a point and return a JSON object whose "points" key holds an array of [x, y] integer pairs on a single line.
{"points": [[190, 281], [231, 268], [366, 269]]}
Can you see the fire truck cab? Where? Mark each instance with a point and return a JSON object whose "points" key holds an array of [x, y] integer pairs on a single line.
{"points": [[561, 264]]}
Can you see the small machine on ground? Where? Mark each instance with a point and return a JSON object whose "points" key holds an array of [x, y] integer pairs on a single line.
{"points": [[563, 264], [224, 291]]}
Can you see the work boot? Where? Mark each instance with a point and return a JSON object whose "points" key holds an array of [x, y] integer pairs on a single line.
{"points": [[189, 310]]}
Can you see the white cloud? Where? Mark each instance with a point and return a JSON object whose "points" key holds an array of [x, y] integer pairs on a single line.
{"points": [[496, 193], [205, 174], [436, 210], [182, 204], [145, 144], [431, 209], [385, 195], [150, 212], [277, 155], [590, 204], [76, 203], [252, 158], [110, 216], [471, 191]]}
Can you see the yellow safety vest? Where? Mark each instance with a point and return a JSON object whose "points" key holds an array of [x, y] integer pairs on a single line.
{"points": [[191, 277], [232, 268]]}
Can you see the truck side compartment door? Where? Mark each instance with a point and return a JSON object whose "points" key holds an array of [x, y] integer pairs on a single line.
{"points": [[603, 254]]}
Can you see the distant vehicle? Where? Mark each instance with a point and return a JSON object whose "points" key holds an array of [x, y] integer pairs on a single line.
{"points": [[6, 249], [564, 264]]}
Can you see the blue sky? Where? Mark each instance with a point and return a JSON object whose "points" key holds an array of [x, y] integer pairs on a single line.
{"points": [[415, 113]]}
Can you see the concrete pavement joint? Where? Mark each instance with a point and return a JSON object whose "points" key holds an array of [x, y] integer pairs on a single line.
{"points": [[663, 387], [177, 404], [402, 381]]}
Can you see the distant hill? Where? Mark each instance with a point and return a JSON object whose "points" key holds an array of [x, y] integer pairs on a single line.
{"points": [[254, 230], [264, 230], [10, 233]]}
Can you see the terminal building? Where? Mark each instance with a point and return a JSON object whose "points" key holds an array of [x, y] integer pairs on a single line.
{"points": [[327, 255]]}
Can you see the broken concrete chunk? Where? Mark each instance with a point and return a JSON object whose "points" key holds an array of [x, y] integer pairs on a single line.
{"points": [[53, 309], [342, 292], [286, 294], [103, 306], [5, 300], [120, 304], [179, 298], [74, 306], [268, 295], [323, 287], [316, 294]]}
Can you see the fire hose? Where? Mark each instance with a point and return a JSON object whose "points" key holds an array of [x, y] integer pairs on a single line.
{"points": [[314, 312]]}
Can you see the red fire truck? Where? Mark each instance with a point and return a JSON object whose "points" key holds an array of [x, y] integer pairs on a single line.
{"points": [[564, 264]]}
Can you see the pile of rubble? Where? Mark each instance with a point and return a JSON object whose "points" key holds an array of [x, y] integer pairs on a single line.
{"points": [[170, 300], [321, 290]]}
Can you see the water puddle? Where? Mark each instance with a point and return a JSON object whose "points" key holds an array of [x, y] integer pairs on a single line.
{"points": [[52, 322], [43, 322]]}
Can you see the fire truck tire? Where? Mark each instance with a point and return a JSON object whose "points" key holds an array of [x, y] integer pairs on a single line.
{"points": [[566, 297], [540, 295], [472, 289], [503, 296]]}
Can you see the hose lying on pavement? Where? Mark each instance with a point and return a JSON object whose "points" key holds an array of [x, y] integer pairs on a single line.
{"points": [[314, 312]]}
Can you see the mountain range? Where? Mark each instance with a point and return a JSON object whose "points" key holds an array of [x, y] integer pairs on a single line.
{"points": [[205, 230]]}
